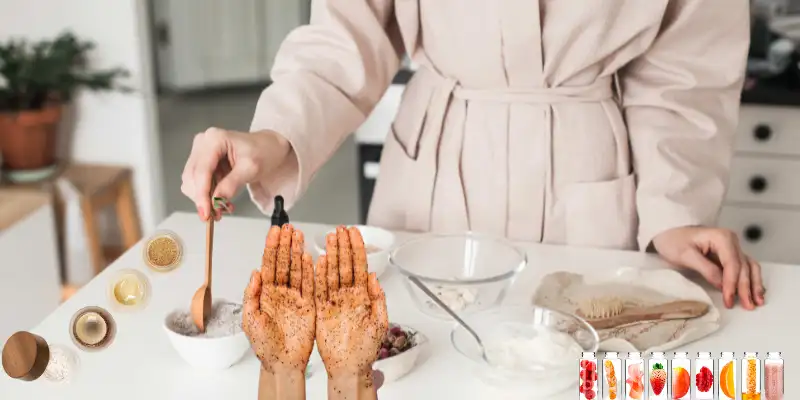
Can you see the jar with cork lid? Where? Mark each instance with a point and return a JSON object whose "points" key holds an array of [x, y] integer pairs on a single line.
{"points": [[28, 357]]}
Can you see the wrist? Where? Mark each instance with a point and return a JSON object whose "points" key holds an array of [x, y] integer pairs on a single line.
{"points": [[273, 143], [281, 384], [351, 386]]}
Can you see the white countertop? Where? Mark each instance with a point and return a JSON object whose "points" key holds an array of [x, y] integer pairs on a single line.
{"points": [[140, 364]]}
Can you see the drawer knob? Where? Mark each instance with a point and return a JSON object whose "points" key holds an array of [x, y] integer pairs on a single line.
{"points": [[758, 184], [753, 233], [762, 132]]}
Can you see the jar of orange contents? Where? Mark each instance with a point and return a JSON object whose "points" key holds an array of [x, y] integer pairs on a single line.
{"points": [[751, 376]]}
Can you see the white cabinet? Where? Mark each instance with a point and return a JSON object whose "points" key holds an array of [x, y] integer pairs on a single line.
{"points": [[763, 202], [211, 43]]}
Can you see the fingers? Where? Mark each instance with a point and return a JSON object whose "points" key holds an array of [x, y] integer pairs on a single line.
{"points": [[252, 294], [307, 287], [757, 281], [253, 290], [378, 298], [209, 147], [332, 256], [345, 257], [269, 259], [744, 290], [727, 250], [377, 379], [230, 184], [284, 256], [296, 269], [360, 268], [321, 280], [708, 269]]}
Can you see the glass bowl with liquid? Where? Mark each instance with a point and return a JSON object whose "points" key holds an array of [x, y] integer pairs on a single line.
{"points": [[129, 290]]}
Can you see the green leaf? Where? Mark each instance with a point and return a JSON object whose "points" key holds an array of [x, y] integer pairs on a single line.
{"points": [[35, 74], [657, 366]]}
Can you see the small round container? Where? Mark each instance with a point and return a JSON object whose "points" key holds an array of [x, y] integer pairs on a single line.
{"points": [[129, 290], [92, 329], [501, 329], [469, 272], [163, 251], [378, 243], [399, 365], [28, 357]]}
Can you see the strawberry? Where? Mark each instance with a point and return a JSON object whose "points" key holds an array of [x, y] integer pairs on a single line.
{"points": [[658, 378]]}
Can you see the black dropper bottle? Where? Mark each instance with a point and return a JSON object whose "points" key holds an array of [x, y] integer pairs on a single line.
{"points": [[279, 215]]}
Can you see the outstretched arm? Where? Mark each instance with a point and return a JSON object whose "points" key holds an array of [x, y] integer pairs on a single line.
{"points": [[327, 78]]}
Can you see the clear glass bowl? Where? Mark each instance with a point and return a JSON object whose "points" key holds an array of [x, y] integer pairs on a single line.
{"points": [[470, 272], [518, 364]]}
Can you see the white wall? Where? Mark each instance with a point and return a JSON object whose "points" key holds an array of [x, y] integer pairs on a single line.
{"points": [[111, 128]]}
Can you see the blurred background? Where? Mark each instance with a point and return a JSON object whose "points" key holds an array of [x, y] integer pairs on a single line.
{"points": [[86, 176]]}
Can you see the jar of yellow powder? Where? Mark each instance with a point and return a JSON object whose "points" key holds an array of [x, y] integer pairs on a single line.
{"points": [[163, 251]]}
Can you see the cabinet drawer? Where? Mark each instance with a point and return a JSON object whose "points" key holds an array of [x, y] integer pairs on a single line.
{"points": [[767, 235], [769, 130], [763, 180]]}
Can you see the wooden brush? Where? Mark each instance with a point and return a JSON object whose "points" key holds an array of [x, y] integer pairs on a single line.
{"points": [[606, 313]]}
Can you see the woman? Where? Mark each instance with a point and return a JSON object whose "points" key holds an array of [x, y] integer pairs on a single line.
{"points": [[603, 123]]}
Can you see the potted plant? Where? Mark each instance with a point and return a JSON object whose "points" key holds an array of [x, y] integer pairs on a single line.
{"points": [[37, 82]]}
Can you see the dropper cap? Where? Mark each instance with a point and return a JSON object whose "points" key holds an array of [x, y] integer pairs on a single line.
{"points": [[279, 215]]}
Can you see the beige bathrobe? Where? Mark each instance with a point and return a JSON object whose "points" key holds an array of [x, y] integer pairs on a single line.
{"points": [[584, 122]]}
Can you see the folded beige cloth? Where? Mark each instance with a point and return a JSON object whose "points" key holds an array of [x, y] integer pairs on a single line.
{"points": [[563, 291]]}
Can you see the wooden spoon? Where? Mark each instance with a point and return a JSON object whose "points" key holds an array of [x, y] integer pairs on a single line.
{"points": [[201, 302], [681, 309]]}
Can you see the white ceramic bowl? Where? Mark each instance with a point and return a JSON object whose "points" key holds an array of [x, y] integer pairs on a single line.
{"points": [[379, 238], [208, 353], [398, 366]]}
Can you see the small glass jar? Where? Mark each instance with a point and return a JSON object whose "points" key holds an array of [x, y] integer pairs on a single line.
{"points": [[635, 374], [163, 251], [681, 378], [704, 376], [63, 364], [658, 375], [751, 376], [773, 376], [588, 376], [727, 376], [612, 376], [129, 290]]}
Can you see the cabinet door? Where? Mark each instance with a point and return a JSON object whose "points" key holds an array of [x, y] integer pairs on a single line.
{"points": [[232, 51], [279, 17], [208, 42]]}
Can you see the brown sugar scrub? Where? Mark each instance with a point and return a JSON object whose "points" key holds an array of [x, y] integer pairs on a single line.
{"points": [[163, 251], [225, 320]]}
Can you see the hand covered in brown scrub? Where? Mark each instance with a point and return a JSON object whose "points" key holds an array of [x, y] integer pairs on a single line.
{"points": [[351, 315], [279, 313]]}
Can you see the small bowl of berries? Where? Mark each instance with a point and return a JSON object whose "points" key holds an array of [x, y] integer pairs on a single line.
{"points": [[399, 352]]}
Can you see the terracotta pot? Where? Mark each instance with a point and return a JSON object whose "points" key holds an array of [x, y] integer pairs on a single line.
{"points": [[28, 138]]}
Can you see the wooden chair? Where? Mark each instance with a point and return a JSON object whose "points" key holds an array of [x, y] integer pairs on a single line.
{"points": [[100, 186]]}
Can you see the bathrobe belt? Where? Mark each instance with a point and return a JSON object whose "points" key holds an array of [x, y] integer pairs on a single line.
{"points": [[442, 90]]}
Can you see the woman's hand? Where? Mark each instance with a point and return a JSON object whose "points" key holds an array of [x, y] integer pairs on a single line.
{"points": [[234, 159], [279, 312], [715, 253], [351, 315]]}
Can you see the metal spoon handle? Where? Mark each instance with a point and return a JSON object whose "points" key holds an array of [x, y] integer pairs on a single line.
{"points": [[446, 309]]}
